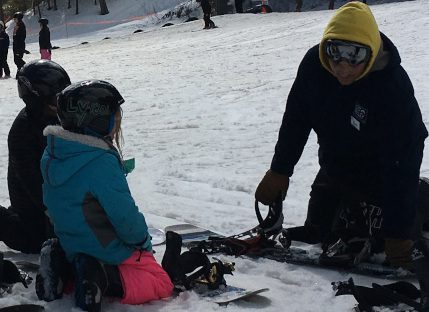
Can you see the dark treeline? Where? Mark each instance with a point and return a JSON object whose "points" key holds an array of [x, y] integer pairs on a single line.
{"points": [[9, 7]]}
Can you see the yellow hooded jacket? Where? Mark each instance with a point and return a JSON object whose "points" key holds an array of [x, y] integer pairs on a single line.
{"points": [[352, 22]]}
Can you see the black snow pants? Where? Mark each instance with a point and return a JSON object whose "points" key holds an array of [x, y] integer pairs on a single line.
{"points": [[18, 59], [4, 66], [24, 234], [328, 200]]}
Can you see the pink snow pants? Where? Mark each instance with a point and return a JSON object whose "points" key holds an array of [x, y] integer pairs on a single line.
{"points": [[143, 280], [45, 54]]}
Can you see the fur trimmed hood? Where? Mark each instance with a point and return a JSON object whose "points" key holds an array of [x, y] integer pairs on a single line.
{"points": [[89, 140], [67, 153]]}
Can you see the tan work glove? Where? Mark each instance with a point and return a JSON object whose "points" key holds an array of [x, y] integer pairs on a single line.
{"points": [[398, 252], [271, 186]]}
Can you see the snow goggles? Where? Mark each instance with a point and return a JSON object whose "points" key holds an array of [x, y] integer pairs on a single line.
{"points": [[351, 52]]}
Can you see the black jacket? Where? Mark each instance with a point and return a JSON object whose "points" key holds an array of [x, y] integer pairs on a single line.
{"points": [[26, 144], [205, 5], [4, 43], [370, 134], [19, 35], [45, 38]]}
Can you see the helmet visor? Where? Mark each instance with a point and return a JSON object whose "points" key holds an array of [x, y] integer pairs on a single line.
{"points": [[351, 52]]}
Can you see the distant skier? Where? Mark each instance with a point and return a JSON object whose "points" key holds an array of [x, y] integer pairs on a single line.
{"points": [[239, 6], [298, 6], [207, 10], [4, 49], [24, 226], [370, 141], [104, 235], [19, 35], [45, 40]]}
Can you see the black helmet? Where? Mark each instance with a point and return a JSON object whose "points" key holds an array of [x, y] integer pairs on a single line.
{"points": [[18, 15], [89, 107], [40, 80], [44, 21]]}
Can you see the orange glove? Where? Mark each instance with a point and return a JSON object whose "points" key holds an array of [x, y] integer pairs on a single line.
{"points": [[271, 186], [398, 252]]}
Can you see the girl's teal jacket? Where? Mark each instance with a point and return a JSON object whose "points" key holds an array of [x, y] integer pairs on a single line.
{"points": [[88, 198]]}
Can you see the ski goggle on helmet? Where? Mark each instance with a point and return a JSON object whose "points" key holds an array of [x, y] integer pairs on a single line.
{"points": [[351, 52]]}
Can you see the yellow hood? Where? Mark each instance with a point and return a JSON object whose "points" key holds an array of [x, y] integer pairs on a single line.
{"points": [[352, 22]]}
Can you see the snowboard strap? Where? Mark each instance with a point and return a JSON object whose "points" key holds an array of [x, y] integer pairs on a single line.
{"points": [[379, 295], [255, 241], [10, 275], [253, 245], [192, 267], [273, 221]]}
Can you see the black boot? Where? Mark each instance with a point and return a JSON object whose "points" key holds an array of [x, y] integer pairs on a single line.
{"points": [[171, 262], [423, 205], [421, 265], [91, 282], [54, 271]]}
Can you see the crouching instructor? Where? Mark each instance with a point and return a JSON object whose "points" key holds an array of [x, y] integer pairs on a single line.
{"points": [[353, 92]]}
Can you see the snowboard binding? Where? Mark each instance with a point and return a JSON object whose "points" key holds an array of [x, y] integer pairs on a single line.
{"points": [[192, 268], [379, 295], [10, 275]]}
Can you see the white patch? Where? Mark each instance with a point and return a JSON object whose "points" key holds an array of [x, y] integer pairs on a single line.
{"points": [[355, 123], [58, 131]]}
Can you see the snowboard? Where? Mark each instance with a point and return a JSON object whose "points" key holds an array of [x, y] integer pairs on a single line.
{"points": [[227, 294], [158, 236], [23, 308], [237, 294], [300, 256], [191, 233]]}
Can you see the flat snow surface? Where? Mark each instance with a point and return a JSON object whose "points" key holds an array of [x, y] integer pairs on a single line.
{"points": [[201, 118]]}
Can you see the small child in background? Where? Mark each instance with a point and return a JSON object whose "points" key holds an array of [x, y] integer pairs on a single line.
{"points": [[45, 40]]}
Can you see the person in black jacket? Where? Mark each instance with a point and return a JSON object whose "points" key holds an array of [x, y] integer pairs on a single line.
{"points": [[207, 10], [352, 91], [4, 48], [19, 35], [24, 226], [45, 40], [239, 6]]}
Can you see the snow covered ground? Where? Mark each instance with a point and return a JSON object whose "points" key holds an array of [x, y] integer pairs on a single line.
{"points": [[202, 113]]}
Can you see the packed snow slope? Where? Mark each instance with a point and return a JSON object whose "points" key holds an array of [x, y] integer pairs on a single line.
{"points": [[201, 117]]}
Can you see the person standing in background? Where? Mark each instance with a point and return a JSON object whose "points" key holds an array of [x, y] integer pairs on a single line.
{"points": [[4, 48], [207, 10], [45, 40], [19, 35], [239, 6], [298, 6]]}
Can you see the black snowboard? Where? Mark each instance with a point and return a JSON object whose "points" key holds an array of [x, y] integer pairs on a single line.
{"points": [[23, 308]]}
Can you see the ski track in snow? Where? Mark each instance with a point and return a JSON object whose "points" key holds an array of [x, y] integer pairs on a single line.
{"points": [[201, 118]]}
